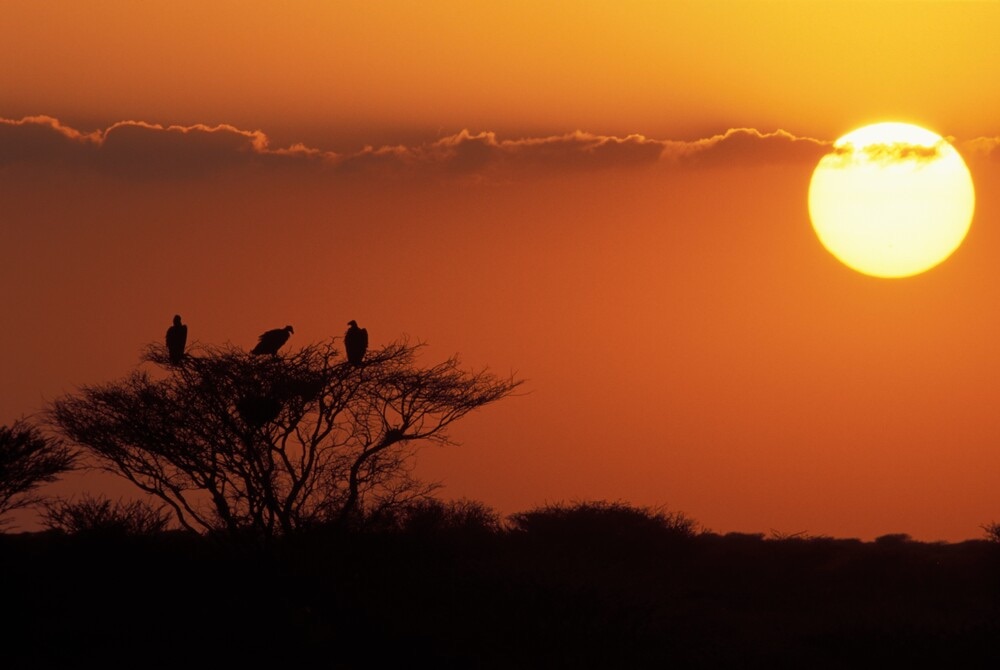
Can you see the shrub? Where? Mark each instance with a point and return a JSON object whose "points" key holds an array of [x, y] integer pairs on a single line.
{"points": [[609, 520], [435, 516], [99, 514]]}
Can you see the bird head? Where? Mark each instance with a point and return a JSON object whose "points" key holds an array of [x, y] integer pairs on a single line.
{"points": [[352, 322], [289, 329], [177, 319]]}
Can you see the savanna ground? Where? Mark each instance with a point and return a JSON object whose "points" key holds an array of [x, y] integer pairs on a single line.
{"points": [[452, 585]]}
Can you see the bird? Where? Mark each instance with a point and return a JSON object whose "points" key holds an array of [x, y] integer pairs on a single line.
{"points": [[272, 340], [355, 342], [176, 340]]}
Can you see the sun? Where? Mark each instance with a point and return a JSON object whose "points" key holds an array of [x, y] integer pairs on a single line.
{"points": [[891, 200]]}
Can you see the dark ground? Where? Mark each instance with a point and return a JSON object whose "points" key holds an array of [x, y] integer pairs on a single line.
{"points": [[559, 595]]}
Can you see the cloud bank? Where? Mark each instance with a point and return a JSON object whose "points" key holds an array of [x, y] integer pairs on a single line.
{"points": [[136, 149]]}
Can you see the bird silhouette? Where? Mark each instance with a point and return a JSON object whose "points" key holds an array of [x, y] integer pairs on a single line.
{"points": [[272, 340], [176, 340], [355, 342]]}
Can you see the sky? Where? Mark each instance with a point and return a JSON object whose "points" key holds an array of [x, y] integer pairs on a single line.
{"points": [[607, 199]]}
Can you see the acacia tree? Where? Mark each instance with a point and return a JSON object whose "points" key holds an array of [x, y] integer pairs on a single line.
{"points": [[234, 442], [28, 459]]}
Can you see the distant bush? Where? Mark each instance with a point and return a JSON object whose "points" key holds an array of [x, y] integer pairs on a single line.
{"points": [[785, 535], [893, 538], [736, 536], [607, 520], [992, 531], [99, 514], [436, 516]]}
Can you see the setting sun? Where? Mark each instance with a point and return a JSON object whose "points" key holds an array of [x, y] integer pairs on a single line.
{"points": [[891, 200]]}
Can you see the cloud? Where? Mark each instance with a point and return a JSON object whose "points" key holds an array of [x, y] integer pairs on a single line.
{"points": [[132, 147], [135, 149], [893, 152], [42, 139], [746, 146], [573, 150], [484, 152]]}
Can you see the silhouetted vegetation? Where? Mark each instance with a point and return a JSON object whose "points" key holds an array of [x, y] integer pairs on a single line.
{"points": [[28, 459], [432, 516], [605, 519], [241, 443], [100, 514], [353, 562], [451, 585]]}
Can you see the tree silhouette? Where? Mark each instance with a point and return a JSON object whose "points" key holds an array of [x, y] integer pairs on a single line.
{"points": [[234, 442], [28, 459]]}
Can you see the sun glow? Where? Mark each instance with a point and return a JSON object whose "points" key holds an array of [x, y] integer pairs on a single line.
{"points": [[891, 200]]}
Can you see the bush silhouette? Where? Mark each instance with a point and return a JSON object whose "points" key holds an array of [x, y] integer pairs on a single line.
{"points": [[100, 515], [602, 524], [436, 517]]}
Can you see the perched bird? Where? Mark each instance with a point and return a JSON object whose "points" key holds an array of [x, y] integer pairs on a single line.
{"points": [[272, 340], [177, 336], [355, 342]]}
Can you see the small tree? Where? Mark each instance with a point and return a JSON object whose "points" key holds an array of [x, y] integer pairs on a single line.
{"points": [[28, 459], [234, 442]]}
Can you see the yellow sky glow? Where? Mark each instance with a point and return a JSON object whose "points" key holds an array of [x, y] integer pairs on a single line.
{"points": [[676, 69]]}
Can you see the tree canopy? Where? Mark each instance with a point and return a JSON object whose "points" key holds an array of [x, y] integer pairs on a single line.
{"points": [[233, 442], [29, 459]]}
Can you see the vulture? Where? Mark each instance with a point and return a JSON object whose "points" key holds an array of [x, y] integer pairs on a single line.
{"points": [[272, 340], [355, 342], [177, 335]]}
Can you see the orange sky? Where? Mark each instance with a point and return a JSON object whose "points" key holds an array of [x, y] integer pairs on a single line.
{"points": [[686, 339], [361, 71]]}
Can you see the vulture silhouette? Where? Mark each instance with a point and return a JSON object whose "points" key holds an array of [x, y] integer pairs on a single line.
{"points": [[272, 340], [355, 342], [177, 335]]}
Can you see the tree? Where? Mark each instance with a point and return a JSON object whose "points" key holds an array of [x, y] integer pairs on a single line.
{"points": [[28, 459], [233, 442]]}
